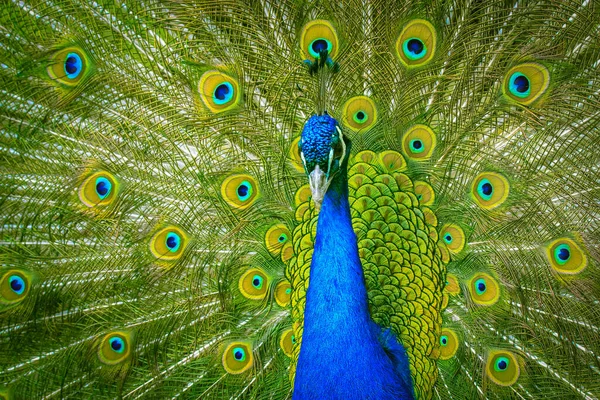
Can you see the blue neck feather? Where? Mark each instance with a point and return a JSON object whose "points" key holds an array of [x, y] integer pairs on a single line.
{"points": [[342, 355]]}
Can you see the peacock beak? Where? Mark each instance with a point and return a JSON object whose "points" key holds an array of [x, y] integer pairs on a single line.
{"points": [[319, 183]]}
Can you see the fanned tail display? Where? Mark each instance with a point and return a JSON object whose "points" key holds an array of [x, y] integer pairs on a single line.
{"points": [[165, 166]]}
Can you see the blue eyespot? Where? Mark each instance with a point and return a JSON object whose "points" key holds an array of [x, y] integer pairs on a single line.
{"points": [[288, 291], [117, 344], [443, 340], [173, 242], [480, 286], [73, 65], [17, 284], [485, 189], [562, 254], [239, 354], [223, 93], [414, 48], [103, 187], [416, 146], [501, 364], [257, 281], [282, 238], [244, 190], [519, 85], [360, 117], [293, 339], [318, 45], [448, 238]]}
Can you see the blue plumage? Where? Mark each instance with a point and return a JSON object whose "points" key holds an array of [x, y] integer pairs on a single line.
{"points": [[344, 354]]}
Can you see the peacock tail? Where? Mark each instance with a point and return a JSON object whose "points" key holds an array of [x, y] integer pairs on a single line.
{"points": [[157, 227]]}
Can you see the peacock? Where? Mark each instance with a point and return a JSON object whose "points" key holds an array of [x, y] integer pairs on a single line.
{"points": [[296, 199]]}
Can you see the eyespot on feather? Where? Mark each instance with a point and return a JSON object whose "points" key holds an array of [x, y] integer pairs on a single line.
{"points": [[566, 256], [283, 293], [69, 66], [287, 342], [424, 193], [502, 367], [114, 348], [453, 237], [168, 243], [253, 284], [302, 195], [218, 91], [276, 237], [419, 142], [526, 83], [318, 35], [359, 113], [416, 44], [237, 358], [240, 191], [490, 190], [98, 189], [448, 344], [14, 286], [484, 289], [452, 286], [392, 161]]}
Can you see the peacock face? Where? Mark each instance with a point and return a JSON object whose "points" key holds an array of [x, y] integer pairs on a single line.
{"points": [[323, 149]]}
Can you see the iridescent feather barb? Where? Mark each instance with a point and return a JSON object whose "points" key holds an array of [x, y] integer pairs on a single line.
{"points": [[158, 227]]}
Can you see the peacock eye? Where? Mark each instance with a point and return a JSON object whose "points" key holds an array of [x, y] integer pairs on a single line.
{"points": [[360, 117], [416, 44], [562, 254], [173, 242], [317, 36], [419, 142], [525, 83], [359, 113], [566, 256], [444, 340], [318, 45], [502, 367], [73, 65], [117, 344], [168, 243], [519, 85], [103, 187], [485, 189], [257, 281], [501, 364], [69, 66], [244, 190], [416, 146], [17, 284], [223, 93], [218, 91], [414, 48], [490, 190], [448, 238], [98, 189], [239, 354], [114, 348], [480, 286]]}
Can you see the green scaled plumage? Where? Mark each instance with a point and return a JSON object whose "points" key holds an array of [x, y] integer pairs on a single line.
{"points": [[172, 278]]}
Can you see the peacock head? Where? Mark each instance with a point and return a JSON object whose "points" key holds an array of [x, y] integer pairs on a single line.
{"points": [[323, 149]]}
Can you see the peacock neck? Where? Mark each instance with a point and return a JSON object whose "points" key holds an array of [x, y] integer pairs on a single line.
{"points": [[337, 284], [341, 356]]}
